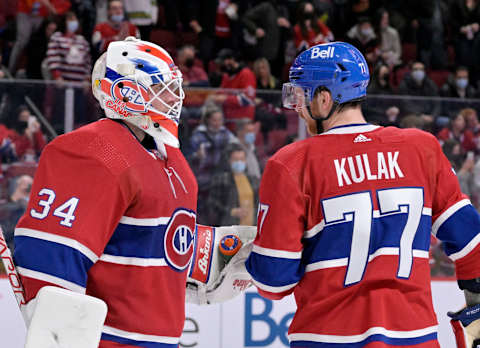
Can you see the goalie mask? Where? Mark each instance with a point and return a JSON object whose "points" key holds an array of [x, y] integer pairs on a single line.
{"points": [[137, 81]]}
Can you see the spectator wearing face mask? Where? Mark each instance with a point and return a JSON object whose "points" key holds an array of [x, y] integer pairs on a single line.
{"points": [[362, 35], [246, 133], [309, 30], [458, 86], [207, 144], [381, 110], [68, 54], [240, 102], [114, 29], [233, 193], [417, 83], [193, 75]]}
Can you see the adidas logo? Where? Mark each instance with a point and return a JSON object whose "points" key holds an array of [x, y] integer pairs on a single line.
{"points": [[361, 139]]}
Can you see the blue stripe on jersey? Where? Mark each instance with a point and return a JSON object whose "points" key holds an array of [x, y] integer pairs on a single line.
{"points": [[373, 338], [137, 241], [274, 271], [334, 241], [143, 344], [52, 258], [459, 229]]}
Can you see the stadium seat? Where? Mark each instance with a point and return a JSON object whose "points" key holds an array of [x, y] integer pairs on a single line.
{"points": [[439, 76], [166, 39], [409, 52]]}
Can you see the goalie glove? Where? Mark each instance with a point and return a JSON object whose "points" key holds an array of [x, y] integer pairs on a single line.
{"points": [[466, 326], [212, 277]]}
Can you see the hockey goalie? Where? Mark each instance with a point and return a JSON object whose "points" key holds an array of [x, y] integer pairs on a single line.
{"points": [[104, 248]]}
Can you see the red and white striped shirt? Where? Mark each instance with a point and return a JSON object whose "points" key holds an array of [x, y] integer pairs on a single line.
{"points": [[68, 56]]}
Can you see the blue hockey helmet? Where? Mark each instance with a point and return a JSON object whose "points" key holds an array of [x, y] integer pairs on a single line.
{"points": [[337, 66]]}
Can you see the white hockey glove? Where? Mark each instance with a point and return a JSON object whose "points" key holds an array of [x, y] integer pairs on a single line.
{"points": [[212, 277], [65, 319]]}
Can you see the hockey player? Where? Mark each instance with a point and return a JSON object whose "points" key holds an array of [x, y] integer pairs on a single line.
{"points": [[345, 217], [112, 214]]}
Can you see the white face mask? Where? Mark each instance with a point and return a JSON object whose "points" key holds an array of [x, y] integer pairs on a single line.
{"points": [[117, 18], [418, 75], [461, 83], [72, 26]]}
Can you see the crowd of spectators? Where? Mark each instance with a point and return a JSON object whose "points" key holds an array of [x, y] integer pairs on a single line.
{"points": [[421, 55]]}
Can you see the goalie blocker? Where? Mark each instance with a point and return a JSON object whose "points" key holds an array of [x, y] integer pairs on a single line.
{"points": [[213, 278]]}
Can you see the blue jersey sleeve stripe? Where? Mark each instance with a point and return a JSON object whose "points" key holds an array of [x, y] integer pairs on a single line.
{"points": [[137, 241], [468, 248], [72, 243], [373, 334], [447, 214], [24, 272], [273, 271], [57, 260], [135, 343], [277, 253], [273, 289], [458, 231], [401, 342]]}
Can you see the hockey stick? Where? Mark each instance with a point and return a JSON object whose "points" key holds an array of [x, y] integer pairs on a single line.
{"points": [[12, 274]]}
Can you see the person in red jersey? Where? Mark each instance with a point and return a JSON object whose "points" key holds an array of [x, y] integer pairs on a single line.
{"points": [[112, 211], [345, 217], [114, 29]]}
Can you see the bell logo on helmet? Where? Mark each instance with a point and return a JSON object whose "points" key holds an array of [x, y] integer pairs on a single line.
{"points": [[129, 90], [323, 54]]}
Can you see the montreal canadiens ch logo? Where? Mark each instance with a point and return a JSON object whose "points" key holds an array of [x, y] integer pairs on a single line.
{"points": [[179, 238], [128, 88]]}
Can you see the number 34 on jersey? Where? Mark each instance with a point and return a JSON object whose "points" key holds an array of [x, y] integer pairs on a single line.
{"points": [[65, 211]]}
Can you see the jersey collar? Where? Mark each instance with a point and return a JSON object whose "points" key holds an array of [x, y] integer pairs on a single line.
{"points": [[351, 129]]}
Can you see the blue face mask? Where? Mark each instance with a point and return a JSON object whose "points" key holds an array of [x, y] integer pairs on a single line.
{"points": [[72, 26], [117, 18], [249, 137], [238, 166], [462, 83]]}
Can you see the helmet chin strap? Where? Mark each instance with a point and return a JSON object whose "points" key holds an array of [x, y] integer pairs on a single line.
{"points": [[319, 120]]}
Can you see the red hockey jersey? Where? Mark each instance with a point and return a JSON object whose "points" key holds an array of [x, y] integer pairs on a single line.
{"points": [[344, 223], [110, 219]]}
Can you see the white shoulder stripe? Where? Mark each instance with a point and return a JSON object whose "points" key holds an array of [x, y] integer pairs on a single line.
{"points": [[359, 338], [352, 129], [144, 222], [466, 250], [447, 213], [51, 279], [72, 243], [133, 261], [277, 253], [139, 336], [273, 289]]}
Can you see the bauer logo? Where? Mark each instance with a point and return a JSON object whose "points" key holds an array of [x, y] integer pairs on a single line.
{"points": [[134, 95], [178, 240], [323, 54]]}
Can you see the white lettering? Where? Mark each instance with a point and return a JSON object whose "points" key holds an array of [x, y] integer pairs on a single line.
{"points": [[393, 165], [361, 174], [341, 173], [359, 168], [323, 54], [382, 167], [205, 251], [367, 168]]}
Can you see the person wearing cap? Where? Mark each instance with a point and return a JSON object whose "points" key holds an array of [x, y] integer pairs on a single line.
{"points": [[240, 102]]}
